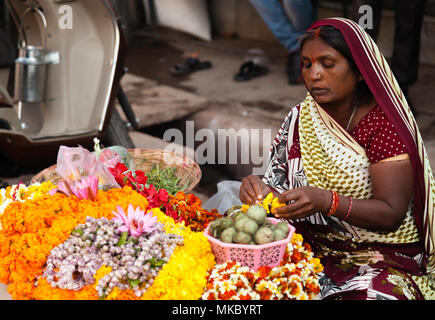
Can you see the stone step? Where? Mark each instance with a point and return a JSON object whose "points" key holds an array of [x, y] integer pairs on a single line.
{"points": [[155, 104]]}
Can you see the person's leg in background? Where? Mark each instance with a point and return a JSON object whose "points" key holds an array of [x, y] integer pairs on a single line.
{"points": [[376, 6], [407, 34], [277, 20], [301, 15]]}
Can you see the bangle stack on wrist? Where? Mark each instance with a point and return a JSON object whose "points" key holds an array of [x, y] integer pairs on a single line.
{"points": [[334, 203], [348, 210]]}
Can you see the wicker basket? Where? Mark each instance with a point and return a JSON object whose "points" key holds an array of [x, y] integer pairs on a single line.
{"points": [[186, 169], [250, 255]]}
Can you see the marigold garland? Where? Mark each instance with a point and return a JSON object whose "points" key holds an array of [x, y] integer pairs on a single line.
{"points": [[20, 192], [184, 276], [33, 228], [186, 208]]}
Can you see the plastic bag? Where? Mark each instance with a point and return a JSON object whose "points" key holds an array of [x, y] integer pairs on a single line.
{"points": [[112, 155], [75, 163], [226, 196]]}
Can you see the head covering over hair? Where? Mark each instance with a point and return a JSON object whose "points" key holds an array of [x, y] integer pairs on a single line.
{"points": [[382, 83]]}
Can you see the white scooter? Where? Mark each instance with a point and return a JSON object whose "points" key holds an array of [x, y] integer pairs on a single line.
{"points": [[65, 79]]}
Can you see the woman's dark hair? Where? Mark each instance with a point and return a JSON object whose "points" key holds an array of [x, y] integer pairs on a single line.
{"points": [[333, 37]]}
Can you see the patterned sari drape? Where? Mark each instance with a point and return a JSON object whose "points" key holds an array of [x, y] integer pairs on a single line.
{"points": [[381, 265]]}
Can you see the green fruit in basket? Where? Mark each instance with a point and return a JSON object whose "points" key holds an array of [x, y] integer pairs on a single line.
{"points": [[268, 223], [228, 234], [249, 226], [242, 238], [282, 226], [240, 222], [236, 216], [226, 222], [279, 234], [257, 213], [215, 228], [263, 235]]}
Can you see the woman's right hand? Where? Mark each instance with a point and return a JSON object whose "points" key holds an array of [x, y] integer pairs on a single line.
{"points": [[253, 189]]}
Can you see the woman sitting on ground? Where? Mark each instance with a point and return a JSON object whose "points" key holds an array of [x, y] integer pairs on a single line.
{"points": [[351, 167]]}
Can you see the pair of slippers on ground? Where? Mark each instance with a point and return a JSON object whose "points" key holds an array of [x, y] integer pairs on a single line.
{"points": [[247, 71]]}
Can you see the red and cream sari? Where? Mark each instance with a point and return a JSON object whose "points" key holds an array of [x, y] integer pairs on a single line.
{"points": [[311, 148]]}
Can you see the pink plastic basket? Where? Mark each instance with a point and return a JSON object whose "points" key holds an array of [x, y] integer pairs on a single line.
{"points": [[250, 255]]}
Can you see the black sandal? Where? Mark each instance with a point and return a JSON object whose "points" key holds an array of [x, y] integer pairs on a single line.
{"points": [[190, 65], [250, 70]]}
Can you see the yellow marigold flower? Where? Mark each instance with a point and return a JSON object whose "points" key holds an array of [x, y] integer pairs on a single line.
{"points": [[104, 270], [297, 239], [317, 266], [269, 204], [268, 199], [184, 276], [245, 208], [276, 204]]}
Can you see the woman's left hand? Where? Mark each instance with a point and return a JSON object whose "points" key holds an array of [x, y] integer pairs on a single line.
{"points": [[303, 202]]}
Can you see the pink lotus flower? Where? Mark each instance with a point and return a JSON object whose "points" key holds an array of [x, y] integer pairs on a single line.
{"points": [[53, 191], [136, 222], [86, 188]]}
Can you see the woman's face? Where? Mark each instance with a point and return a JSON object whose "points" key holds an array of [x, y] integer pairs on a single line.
{"points": [[327, 74]]}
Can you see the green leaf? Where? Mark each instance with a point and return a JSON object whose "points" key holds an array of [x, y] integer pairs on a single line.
{"points": [[164, 179], [133, 283], [156, 263], [122, 239], [78, 230]]}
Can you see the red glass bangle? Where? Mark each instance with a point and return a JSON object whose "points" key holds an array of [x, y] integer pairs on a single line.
{"points": [[348, 210], [334, 203]]}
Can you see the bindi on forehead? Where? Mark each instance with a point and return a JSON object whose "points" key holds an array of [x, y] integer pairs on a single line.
{"points": [[320, 58]]}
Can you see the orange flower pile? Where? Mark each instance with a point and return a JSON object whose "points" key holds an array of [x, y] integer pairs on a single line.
{"points": [[34, 227], [187, 208]]}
